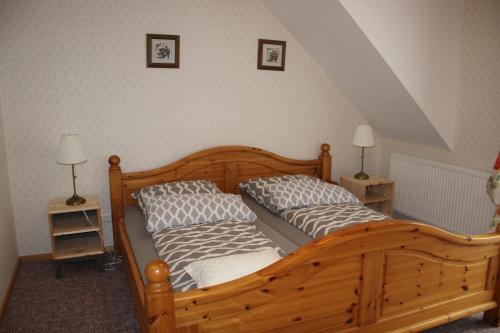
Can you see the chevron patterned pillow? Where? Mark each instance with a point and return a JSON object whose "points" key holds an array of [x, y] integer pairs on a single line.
{"points": [[300, 193], [173, 211], [182, 187], [256, 187]]}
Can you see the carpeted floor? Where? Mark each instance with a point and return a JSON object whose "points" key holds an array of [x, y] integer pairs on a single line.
{"points": [[84, 300], [87, 301]]}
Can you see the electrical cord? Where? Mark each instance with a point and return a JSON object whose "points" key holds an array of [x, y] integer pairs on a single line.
{"points": [[115, 259]]}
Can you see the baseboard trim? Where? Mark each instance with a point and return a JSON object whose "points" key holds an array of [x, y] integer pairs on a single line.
{"points": [[36, 257], [10, 289]]}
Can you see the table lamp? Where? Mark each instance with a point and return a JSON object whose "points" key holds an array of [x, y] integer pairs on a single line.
{"points": [[363, 138], [71, 153]]}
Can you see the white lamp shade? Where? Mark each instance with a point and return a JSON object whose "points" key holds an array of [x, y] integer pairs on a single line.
{"points": [[363, 137], [70, 150]]}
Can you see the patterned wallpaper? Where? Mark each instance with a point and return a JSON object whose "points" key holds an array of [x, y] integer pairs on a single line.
{"points": [[477, 138], [79, 66]]}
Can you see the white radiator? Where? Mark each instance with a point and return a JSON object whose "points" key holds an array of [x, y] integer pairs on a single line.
{"points": [[441, 194]]}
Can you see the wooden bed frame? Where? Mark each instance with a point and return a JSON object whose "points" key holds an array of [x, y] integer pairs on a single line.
{"points": [[396, 276]]}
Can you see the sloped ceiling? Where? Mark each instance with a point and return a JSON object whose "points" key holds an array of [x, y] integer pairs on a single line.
{"points": [[396, 60]]}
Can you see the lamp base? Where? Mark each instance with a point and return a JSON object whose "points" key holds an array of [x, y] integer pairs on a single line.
{"points": [[361, 175], [75, 200]]}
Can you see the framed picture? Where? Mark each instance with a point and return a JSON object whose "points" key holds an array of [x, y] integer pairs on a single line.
{"points": [[271, 55], [162, 51]]}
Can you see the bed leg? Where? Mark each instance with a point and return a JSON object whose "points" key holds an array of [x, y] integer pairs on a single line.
{"points": [[493, 316], [160, 309]]}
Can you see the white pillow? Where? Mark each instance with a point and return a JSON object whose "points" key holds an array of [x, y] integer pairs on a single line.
{"points": [[212, 271]]}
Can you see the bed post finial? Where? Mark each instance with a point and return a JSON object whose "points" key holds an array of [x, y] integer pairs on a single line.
{"points": [[114, 161], [159, 298], [325, 149], [326, 162]]}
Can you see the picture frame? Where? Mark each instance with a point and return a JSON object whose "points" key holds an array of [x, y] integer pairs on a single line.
{"points": [[162, 51], [271, 55]]}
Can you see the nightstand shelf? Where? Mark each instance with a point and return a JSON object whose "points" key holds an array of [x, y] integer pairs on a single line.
{"points": [[374, 192], [72, 246], [372, 198], [74, 223], [73, 237]]}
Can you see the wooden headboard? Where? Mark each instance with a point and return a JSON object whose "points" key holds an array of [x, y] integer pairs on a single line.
{"points": [[226, 166]]}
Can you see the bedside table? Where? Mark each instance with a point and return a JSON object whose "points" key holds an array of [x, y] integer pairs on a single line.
{"points": [[73, 237], [374, 192]]}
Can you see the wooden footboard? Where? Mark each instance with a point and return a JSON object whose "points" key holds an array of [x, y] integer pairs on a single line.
{"points": [[396, 276]]}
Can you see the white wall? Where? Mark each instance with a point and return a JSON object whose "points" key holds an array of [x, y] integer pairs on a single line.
{"points": [[477, 139], [8, 250], [328, 32], [420, 41], [79, 66]]}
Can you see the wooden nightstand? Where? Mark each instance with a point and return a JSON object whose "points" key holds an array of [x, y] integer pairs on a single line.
{"points": [[374, 192], [73, 237]]}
